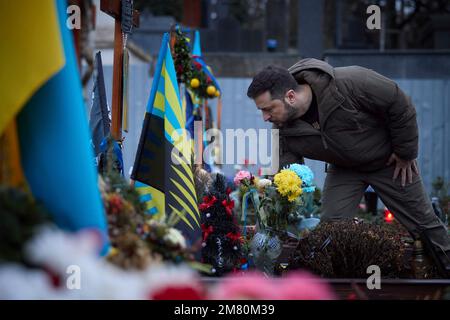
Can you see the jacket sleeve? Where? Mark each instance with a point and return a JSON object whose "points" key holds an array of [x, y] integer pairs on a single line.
{"points": [[287, 157], [382, 95]]}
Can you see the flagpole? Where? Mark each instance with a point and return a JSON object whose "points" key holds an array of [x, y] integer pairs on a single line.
{"points": [[219, 120], [114, 9], [116, 109]]}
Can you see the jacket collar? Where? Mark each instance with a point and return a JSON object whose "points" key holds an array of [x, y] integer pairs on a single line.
{"points": [[320, 76], [311, 63]]}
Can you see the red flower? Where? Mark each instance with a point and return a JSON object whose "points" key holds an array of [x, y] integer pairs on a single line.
{"points": [[228, 191], [115, 204], [177, 293], [233, 236], [229, 205], [54, 278], [197, 65], [207, 202], [352, 296], [206, 231]]}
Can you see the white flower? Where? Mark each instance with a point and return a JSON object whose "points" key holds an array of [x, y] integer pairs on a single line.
{"points": [[56, 250], [18, 282], [262, 183], [175, 237]]}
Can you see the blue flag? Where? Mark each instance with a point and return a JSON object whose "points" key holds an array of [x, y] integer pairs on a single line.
{"points": [[55, 149], [99, 121]]}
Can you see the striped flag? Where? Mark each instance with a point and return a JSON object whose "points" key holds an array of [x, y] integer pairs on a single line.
{"points": [[163, 168], [190, 116]]}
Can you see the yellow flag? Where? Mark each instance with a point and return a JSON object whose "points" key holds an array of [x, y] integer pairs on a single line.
{"points": [[11, 172], [31, 53]]}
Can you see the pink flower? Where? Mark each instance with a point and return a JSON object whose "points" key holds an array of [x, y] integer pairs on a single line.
{"points": [[302, 285], [250, 286], [256, 286], [241, 175]]}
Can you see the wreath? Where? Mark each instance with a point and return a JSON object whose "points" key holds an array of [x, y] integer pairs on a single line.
{"points": [[189, 71]]}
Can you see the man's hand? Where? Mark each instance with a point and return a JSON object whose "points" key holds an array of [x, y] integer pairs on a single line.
{"points": [[403, 167]]}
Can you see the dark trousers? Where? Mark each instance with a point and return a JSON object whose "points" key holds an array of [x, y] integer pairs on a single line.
{"points": [[410, 205], [371, 200]]}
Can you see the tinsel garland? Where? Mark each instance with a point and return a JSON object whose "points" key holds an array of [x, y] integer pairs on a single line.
{"points": [[219, 253]]}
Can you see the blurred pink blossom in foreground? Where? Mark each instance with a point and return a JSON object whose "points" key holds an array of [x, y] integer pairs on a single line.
{"points": [[256, 286]]}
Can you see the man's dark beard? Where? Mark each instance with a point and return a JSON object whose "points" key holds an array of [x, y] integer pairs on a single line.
{"points": [[291, 112]]}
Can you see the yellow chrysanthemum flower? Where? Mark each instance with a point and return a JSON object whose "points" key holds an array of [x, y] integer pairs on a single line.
{"points": [[288, 184]]}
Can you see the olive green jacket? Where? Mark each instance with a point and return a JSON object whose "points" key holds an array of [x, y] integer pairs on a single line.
{"points": [[363, 116]]}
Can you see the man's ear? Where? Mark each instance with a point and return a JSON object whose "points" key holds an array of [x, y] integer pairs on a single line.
{"points": [[289, 97]]}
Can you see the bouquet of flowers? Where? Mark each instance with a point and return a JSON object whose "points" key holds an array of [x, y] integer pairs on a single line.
{"points": [[281, 211], [281, 200], [244, 180], [305, 217], [247, 199]]}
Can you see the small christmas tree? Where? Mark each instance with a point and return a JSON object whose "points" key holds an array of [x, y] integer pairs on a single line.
{"points": [[222, 241]]}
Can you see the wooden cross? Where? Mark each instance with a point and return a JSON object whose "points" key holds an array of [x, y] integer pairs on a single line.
{"points": [[114, 9]]}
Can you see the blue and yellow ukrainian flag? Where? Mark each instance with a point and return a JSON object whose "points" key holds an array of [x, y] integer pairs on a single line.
{"points": [[163, 168], [41, 90]]}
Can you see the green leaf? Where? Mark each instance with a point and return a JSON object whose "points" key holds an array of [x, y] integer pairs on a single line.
{"points": [[201, 267]]}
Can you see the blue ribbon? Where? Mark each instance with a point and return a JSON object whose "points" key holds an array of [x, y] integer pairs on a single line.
{"points": [[253, 195], [116, 150]]}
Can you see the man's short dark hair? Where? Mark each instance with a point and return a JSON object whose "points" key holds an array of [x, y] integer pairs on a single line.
{"points": [[274, 79]]}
